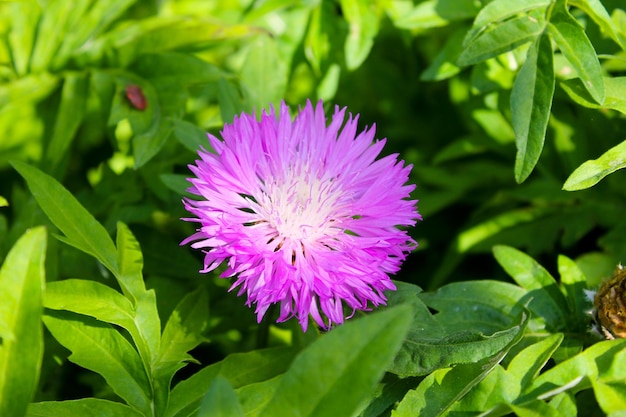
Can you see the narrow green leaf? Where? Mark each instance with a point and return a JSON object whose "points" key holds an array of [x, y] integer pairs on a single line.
{"points": [[336, 373], [231, 104], [574, 283], [595, 9], [240, 369], [85, 407], [22, 279], [531, 100], [614, 98], [574, 44], [264, 74], [102, 349], [499, 10], [24, 17], [364, 21], [220, 401], [591, 172], [500, 38], [445, 387], [81, 229], [69, 116], [190, 135], [50, 34], [32, 87], [130, 261], [527, 364], [543, 295]]}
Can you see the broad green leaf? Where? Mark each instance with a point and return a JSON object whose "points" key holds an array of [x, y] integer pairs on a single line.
{"points": [[527, 364], [591, 172], [531, 100], [418, 17], [85, 407], [445, 387], [190, 135], [500, 38], [69, 116], [611, 396], [102, 349], [264, 74], [254, 397], [220, 401], [574, 44], [543, 296], [364, 20], [81, 229], [499, 10], [536, 408], [339, 371], [240, 369], [22, 279]]}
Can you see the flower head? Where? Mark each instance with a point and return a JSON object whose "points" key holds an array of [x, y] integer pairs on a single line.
{"points": [[302, 212]]}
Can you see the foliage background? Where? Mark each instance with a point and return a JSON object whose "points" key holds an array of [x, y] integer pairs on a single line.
{"points": [[497, 104]]}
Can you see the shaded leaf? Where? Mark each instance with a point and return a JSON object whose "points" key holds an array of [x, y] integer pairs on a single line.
{"points": [[220, 401], [531, 100], [337, 372], [85, 407], [22, 279], [190, 135]]}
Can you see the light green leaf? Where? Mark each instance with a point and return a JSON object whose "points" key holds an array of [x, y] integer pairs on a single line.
{"points": [[69, 116], [611, 396], [22, 279], [364, 20], [527, 364], [220, 401], [339, 371], [444, 65], [231, 105], [102, 349], [85, 407], [32, 87], [264, 74], [4, 202], [531, 100], [499, 10], [419, 17], [615, 97], [50, 34], [240, 369], [535, 408], [500, 38], [573, 283], [595, 9], [81, 229], [543, 296], [24, 17], [591, 172], [574, 44]]}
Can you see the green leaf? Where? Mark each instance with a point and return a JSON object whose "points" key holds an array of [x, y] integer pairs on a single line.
{"points": [[240, 369], [231, 105], [500, 38], [32, 87], [527, 364], [364, 21], [69, 116], [499, 10], [419, 17], [220, 401], [444, 65], [338, 372], [22, 279], [574, 283], [50, 34], [254, 397], [102, 349], [183, 332], [190, 135], [24, 17], [442, 389], [85, 407], [531, 100], [614, 98], [264, 74], [591, 172], [543, 296], [595, 9], [574, 44], [81, 229]]}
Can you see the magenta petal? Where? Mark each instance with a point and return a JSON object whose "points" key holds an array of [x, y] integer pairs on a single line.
{"points": [[303, 213]]}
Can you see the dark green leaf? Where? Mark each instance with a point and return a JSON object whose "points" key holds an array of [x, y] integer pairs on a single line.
{"points": [[574, 44], [220, 401], [190, 135], [22, 279], [231, 103], [254, 397], [81, 229], [337, 372], [100, 348], [85, 407], [591, 172], [240, 369], [531, 100]]}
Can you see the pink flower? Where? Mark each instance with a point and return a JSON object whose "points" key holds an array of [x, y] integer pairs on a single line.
{"points": [[302, 213]]}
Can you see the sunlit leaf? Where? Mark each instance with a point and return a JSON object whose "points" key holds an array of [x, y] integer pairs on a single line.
{"points": [[22, 279], [363, 20], [591, 172], [85, 407]]}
